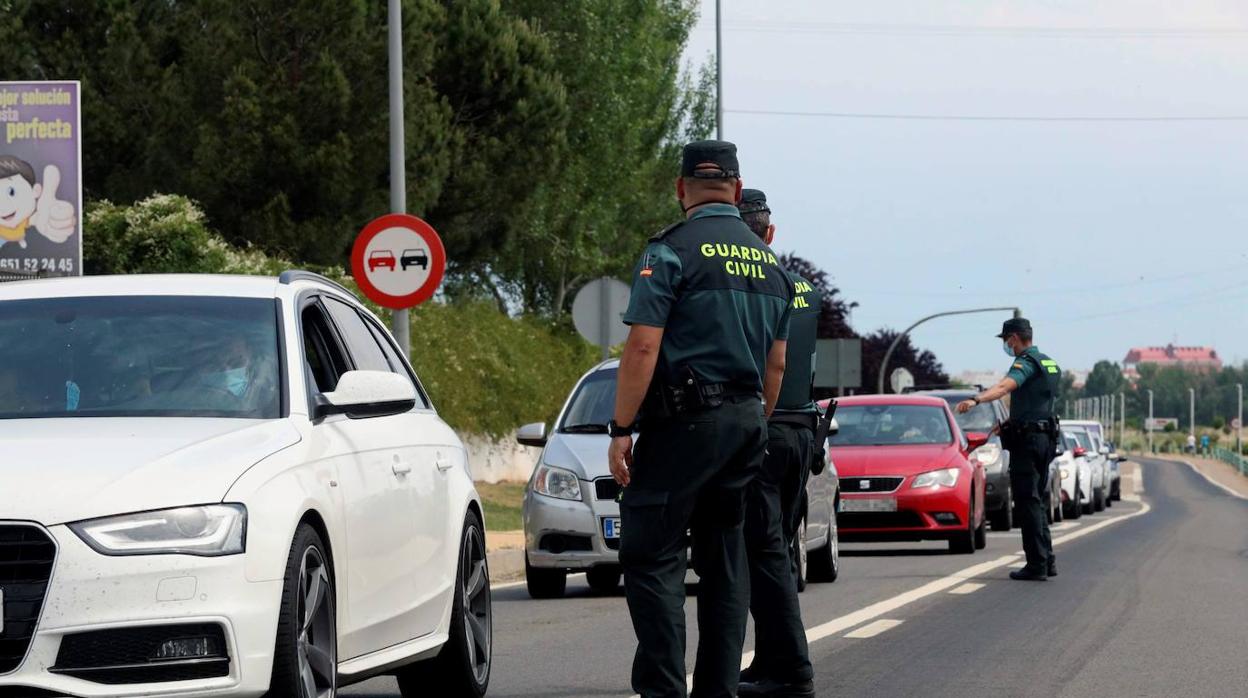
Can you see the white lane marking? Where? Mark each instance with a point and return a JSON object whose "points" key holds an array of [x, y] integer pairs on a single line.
{"points": [[512, 585], [875, 610], [966, 588], [1213, 482], [873, 629]]}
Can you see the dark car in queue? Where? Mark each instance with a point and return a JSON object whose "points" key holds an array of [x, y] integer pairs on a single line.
{"points": [[907, 473]]}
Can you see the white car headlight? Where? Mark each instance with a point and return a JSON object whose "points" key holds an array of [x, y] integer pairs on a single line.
{"points": [[557, 483], [209, 530], [1065, 474], [988, 454], [937, 478]]}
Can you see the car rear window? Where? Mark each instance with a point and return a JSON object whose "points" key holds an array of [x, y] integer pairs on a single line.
{"points": [[890, 425], [140, 356]]}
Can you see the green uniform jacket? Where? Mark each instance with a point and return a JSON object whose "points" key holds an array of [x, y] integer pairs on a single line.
{"points": [[799, 370], [719, 294], [1039, 379]]}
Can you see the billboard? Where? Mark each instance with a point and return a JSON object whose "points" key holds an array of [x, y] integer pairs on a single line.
{"points": [[40, 179]]}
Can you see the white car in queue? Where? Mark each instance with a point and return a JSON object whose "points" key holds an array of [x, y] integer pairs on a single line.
{"points": [[1076, 472], [572, 516], [1097, 454], [223, 485]]}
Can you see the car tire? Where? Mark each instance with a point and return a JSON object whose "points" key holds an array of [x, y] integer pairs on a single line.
{"points": [[604, 579], [798, 550], [1059, 510], [544, 583], [459, 670], [981, 535], [1003, 518], [306, 647], [963, 542], [823, 564], [1098, 500]]}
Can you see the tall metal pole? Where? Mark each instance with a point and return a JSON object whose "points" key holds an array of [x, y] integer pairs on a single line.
{"points": [[1239, 433], [1122, 419], [398, 150], [1191, 419], [891, 347], [719, 73], [1148, 426]]}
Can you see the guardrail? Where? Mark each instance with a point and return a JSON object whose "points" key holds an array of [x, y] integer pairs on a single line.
{"points": [[1232, 458]]}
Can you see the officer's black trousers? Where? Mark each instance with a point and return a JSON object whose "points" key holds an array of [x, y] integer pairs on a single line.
{"points": [[1029, 478], [772, 512], [690, 473]]}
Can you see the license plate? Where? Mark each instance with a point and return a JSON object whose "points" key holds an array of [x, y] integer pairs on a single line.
{"points": [[868, 504], [611, 527]]}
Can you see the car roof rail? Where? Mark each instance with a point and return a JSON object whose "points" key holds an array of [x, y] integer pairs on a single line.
{"points": [[292, 275], [942, 386]]}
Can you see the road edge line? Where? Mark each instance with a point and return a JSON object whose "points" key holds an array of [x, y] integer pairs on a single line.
{"points": [[1211, 481]]}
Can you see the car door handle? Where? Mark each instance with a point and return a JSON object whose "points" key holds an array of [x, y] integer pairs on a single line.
{"points": [[444, 463], [401, 467]]}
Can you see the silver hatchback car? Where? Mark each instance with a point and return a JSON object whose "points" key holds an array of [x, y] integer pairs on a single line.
{"points": [[571, 515]]}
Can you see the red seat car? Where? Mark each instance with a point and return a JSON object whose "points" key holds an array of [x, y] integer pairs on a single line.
{"points": [[906, 473]]}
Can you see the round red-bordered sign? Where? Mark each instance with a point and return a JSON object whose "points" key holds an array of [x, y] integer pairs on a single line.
{"points": [[398, 261]]}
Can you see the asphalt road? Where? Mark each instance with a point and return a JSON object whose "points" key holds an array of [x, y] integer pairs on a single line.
{"points": [[1152, 600]]}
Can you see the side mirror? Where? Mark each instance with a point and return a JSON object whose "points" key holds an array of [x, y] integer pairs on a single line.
{"points": [[1104, 450], [532, 434], [362, 394], [1080, 451], [975, 439]]}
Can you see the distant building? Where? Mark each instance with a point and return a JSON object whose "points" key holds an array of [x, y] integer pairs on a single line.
{"points": [[984, 378], [1198, 358]]}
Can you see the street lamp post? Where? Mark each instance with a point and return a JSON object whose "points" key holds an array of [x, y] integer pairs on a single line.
{"points": [[719, 73], [891, 347], [1191, 415], [1239, 432], [1122, 419], [1149, 425], [398, 150]]}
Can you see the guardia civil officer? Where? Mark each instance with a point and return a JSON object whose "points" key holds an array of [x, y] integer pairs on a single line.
{"points": [[709, 317], [1030, 436], [781, 665]]}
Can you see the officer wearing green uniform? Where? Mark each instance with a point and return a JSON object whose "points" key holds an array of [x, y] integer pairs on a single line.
{"points": [[781, 665], [1030, 436], [702, 366]]}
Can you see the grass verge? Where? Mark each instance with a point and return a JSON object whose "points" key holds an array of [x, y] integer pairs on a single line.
{"points": [[502, 501]]}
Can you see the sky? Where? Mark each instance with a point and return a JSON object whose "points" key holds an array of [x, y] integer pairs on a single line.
{"points": [[1107, 234]]}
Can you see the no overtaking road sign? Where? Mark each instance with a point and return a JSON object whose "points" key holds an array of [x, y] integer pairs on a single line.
{"points": [[398, 261]]}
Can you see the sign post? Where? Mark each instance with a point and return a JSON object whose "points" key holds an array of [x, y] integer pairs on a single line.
{"points": [[398, 152], [838, 364], [40, 179]]}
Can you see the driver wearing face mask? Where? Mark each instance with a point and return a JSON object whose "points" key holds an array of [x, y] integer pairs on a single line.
{"points": [[234, 372]]}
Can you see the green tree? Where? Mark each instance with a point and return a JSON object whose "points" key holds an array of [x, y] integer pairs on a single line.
{"points": [[630, 110], [1105, 379]]}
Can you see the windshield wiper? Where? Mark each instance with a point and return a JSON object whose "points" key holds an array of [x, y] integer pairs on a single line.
{"points": [[585, 429]]}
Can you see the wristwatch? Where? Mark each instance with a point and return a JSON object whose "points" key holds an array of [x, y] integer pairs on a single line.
{"points": [[975, 399], [616, 431]]}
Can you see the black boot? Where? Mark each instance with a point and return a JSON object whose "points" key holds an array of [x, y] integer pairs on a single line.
{"points": [[776, 689], [1052, 567], [1028, 575]]}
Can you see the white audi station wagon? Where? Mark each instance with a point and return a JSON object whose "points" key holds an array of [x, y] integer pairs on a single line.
{"points": [[215, 485]]}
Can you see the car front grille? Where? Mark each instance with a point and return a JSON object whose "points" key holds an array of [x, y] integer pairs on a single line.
{"points": [[879, 519], [606, 488], [132, 655], [27, 555], [870, 484]]}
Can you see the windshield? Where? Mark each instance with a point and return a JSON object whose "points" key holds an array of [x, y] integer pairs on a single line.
{"points": [[593, 405], [887, 425], [1081, 438], [982, 417], [139, 356]]}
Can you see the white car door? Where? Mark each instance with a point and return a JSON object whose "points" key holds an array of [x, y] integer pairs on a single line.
{"points": [[406, 448]]}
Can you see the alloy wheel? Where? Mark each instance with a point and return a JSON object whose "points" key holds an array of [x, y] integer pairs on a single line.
{"points": [[317, 644], [478, 616]]}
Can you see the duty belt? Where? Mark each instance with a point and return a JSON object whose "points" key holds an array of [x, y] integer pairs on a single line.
{"points": [[663, 401], [808, 420], [1034, 427]]}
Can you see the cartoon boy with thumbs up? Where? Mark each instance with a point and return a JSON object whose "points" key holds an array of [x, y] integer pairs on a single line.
{"points": [[25, 204]]}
